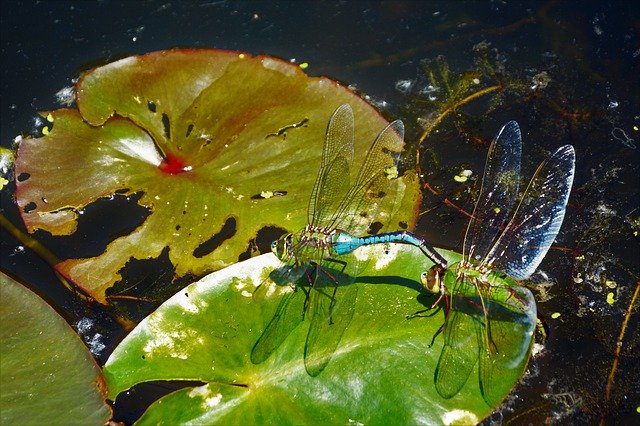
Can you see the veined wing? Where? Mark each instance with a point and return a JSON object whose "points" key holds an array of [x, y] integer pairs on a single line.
{"points": [[498, 193], [288, 316], [361, 205], [289, 313], [537, 219], [332, 182], [490, 322], [460, 351], [510, 327], [331, 308]]}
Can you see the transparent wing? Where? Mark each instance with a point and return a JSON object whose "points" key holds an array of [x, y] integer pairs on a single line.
{"points": [[331, 307], [364, 201], [460, 351], [289, 314], [537, 219], [505, 338], [498, 193], [333, 178], [490, 322]]}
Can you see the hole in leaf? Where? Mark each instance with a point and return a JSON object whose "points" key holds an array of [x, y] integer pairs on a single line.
{"points": [[227, 231], [151, 106], [375, 227], [145, 284], [189, 130], [268, 194], [23, 176], [403, 225], [130, 405], [261, 243], [167, 125], [100, 223], [29, 207]]}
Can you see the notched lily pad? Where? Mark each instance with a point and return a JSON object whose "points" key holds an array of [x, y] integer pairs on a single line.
{"points": [[199, 133], [381, 373]]}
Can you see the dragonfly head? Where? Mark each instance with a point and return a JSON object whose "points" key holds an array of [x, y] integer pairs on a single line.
{"points": [[282, 247], [432, 279]]}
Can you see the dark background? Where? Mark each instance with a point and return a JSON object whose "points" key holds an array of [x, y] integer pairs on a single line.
{"points": [[590, 49]]}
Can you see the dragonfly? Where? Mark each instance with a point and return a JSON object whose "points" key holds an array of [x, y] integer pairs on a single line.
{"points": [[505, 236], [315, 258]]}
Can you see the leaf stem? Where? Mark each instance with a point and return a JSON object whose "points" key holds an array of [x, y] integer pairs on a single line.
{"points": [[449, 109], [616, 355], [44, 253], [446, 201]]}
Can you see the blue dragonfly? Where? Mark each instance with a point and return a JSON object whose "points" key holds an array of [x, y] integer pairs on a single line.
{"points": [[316, 258], [504, 236]]}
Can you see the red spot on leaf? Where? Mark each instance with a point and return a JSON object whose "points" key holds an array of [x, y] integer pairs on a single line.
{"points": [[173, 165]]}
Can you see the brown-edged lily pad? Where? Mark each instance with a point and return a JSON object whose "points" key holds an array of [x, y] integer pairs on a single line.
{"points": [[205, 137]]}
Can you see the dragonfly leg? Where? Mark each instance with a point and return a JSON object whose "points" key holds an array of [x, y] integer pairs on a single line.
{"points": [[334, 281], [310, 280], [437, 302], [332, 304], [305, 305], [433, 339], [418, 313], [339, 262]]}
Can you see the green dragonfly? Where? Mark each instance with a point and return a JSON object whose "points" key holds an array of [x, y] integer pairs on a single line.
{"points": [[504, 236], [319, 267]]}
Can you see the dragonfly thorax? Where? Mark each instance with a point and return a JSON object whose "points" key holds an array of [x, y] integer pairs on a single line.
{"points": [[311, 244]]}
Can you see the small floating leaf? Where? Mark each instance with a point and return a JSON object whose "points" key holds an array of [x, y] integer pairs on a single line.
{"points": [[611, 298]]}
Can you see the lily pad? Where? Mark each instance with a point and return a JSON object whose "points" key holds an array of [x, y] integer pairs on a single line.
{"points": [[47, 375], [217, 144], [382, 371]]}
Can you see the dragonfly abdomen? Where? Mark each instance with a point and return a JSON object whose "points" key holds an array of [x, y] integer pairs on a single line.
{"points": [[343, 243]]}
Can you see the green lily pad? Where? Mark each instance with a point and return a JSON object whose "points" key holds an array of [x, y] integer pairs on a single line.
{"points": [[47, 375], [219, 145], [382, 371]]}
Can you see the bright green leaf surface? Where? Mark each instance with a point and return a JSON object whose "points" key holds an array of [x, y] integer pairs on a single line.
{"points": [[381, 373], [47, 375], [202, 134]]}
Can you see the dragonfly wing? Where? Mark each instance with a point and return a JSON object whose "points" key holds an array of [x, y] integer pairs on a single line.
{"points": [[290, 310], [333, 178], [460, 351], [505, 338], [289, 314], [498, 193], [537, 219], [365, 201], [332, 304]]}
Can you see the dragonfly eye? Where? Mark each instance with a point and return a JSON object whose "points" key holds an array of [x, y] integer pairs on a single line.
{"points": [[282, 247]]}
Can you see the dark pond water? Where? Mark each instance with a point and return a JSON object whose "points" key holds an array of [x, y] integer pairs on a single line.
{"points": [[589, 50]]}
